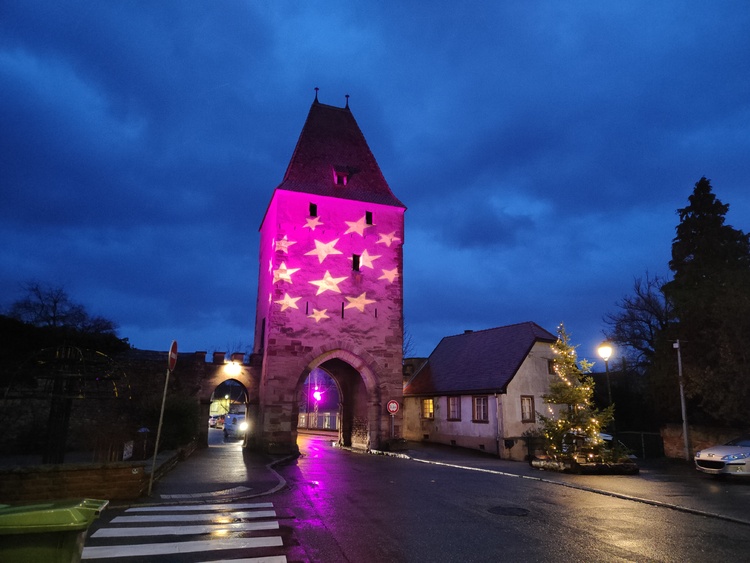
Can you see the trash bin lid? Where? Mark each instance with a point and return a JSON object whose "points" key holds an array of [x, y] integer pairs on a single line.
{"points": [[50, 517]]}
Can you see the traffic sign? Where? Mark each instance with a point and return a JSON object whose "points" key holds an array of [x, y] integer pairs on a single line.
{"points": [[172, 355], [392, 407]]}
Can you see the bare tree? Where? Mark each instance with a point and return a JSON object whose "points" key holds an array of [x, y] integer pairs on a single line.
{"points": [[642, 317]]}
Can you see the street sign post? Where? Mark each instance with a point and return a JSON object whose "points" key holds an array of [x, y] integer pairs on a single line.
{"points": [[392, 407], [171, 363]]}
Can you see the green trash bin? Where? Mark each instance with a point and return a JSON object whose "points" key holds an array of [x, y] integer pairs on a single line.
{"points": [[50, 532]]}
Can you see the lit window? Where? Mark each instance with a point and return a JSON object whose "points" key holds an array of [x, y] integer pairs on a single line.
{"points": [[481, 410], [454, 408], [527, 408], [428, 408]]}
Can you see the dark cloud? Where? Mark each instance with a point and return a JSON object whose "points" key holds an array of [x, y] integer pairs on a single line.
{"points": [[541, 148]]}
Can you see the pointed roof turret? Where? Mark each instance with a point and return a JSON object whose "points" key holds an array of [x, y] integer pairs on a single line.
{"points": [[332, 159]]}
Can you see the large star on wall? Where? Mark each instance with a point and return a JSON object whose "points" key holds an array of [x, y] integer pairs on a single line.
{"points": [[358, 303], [318, 315], [324, 249], [284, 244], [389, 275], [283, 273], [288, 302], [388, 239], [357, 226], [328, 283]]}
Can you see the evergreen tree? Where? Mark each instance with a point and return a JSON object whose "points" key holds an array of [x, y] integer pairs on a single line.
{"points": [[572, 389], [710, 294]]}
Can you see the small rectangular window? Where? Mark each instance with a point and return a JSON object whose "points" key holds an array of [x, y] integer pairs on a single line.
{"points": [[313, 210], [340, 177], [428, 410], [454, 408], [481, 409], [355, 262], [551, 367], [368, 217], [527, 408]]}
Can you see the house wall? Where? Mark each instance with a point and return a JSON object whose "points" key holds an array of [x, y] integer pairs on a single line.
{"points": [[503, 437]]}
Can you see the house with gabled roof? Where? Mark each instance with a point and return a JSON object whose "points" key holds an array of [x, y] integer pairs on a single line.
{"points": [[482, 389]]}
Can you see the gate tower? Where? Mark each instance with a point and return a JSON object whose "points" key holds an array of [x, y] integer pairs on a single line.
{"points": [[330, 288]]}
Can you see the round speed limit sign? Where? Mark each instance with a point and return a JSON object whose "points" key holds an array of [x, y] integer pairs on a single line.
{"points": [[392, 407]]}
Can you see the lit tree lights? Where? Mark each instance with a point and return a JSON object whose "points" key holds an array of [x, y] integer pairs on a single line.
{"points": [[576, 420]]}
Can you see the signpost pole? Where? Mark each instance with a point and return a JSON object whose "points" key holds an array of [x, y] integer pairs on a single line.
{"points": [[171, 363]]}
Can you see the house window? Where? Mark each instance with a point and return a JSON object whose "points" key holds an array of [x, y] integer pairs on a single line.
{"points": [[428, 408], [551, 367], [368, 217], [527, 408], [481, 410], [313, 210], [355, 262], [454, 408]]}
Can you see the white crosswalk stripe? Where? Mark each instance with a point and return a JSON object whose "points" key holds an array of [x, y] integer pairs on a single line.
{"points": [[163, 531]]}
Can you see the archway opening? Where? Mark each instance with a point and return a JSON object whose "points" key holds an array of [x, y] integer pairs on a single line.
{"points": [[339, 404], [228, 413]]}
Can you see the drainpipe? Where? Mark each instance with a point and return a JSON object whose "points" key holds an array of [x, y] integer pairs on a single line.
{"points": [[499, 425]]}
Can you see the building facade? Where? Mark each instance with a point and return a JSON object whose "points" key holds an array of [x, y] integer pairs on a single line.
{"points": [[482, 390], [330, 290]]}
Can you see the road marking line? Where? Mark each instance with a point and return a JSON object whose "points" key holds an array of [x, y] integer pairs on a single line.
{"points": [[150, 549], [192, 517], [215, 529], [186, 507]]}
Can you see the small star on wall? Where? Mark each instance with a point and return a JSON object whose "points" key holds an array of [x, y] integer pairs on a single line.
{"points": [[284, 244], [365, 260], [328, 283], [357, 226], [358, 303], [312, 222], [388, 239], [318, 315], [389, 275], [283, 273], [288, 302]]}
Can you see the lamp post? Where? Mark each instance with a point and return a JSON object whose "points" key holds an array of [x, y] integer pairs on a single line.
{"points": [[605, 352], [685, 428]]}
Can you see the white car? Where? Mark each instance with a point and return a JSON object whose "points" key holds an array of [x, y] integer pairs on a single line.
{"points": [[733, 458], [235, 426]]}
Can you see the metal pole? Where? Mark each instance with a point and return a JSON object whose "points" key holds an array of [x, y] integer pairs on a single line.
{"points": [[616, 445], [682, 401], [158, 433]]}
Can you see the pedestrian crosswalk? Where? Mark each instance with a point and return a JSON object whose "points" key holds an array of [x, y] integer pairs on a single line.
{"points": [[247, 532]]}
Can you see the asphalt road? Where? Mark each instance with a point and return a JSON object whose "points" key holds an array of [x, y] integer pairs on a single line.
{"points": [[346, 507]]}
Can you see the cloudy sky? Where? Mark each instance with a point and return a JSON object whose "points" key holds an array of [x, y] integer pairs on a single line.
{"points": [[542, 149]]}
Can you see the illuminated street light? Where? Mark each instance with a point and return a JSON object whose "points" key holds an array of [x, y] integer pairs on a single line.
{"points": [[605, 352], [232, 369]]}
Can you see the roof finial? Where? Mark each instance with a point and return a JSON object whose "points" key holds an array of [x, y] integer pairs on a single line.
{"points": [[316, 93], [347, 101]]}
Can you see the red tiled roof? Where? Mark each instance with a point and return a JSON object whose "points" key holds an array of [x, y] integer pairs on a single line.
{"points": [[484, 361], [332, 141]]}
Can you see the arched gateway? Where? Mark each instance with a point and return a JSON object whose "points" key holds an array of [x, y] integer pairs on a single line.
{"points": [[330, 292]]}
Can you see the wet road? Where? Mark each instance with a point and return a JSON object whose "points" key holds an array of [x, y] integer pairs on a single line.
{"points": [[344, 506]]}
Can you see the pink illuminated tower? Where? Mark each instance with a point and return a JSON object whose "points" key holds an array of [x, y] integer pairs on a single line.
{"points": [[330, 291]]}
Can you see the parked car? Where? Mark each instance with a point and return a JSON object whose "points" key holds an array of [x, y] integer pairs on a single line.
{"points": [[235, 427], [733, 458]]}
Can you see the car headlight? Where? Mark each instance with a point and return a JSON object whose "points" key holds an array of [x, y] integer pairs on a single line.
{"points": [[243, 426], [731, 457]]}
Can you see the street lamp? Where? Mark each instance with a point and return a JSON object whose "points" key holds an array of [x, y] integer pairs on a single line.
{"points": [[605, 352]]}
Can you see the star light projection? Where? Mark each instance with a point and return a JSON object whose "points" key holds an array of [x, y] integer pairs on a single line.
{"points": [[343, 247]]}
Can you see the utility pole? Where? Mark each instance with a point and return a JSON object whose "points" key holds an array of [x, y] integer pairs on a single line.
{"points": [[676, 346]]}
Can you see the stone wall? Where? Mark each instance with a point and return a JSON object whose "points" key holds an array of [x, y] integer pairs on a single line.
{"points": [[111, 481], [699, 438]]}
